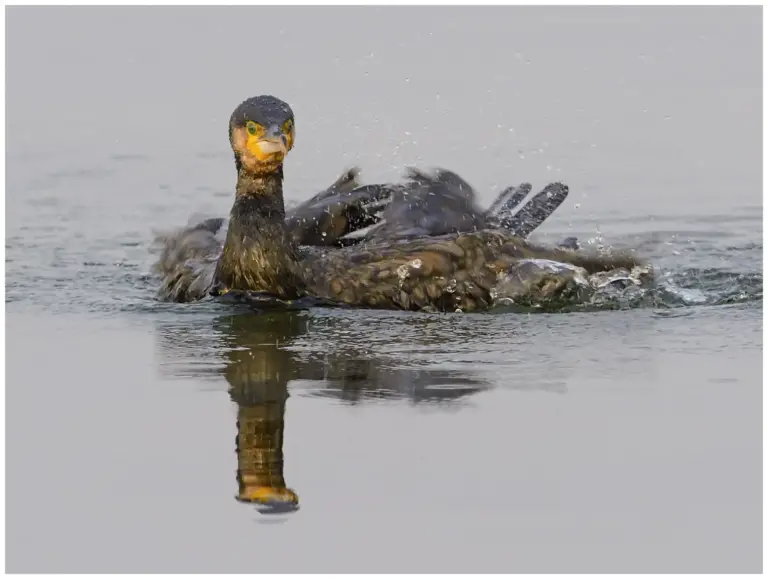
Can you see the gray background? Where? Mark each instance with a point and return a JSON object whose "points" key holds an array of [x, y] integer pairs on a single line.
{"points": [[611, 441]]}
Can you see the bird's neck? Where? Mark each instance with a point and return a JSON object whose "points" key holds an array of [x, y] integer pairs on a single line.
{"points": [[259, 254], [266, 189]]}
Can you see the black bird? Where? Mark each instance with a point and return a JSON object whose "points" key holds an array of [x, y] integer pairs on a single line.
{"points": [[260, 258]]}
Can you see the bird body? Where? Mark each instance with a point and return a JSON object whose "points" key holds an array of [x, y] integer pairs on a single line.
{"points": [[463, 269]]}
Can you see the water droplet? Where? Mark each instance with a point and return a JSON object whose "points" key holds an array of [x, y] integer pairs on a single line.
{"points": [[407, 80]]}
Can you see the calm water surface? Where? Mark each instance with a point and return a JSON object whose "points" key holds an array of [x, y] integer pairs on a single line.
{"points": [[612, 440]]}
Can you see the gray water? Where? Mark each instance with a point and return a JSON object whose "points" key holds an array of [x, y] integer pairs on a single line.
{"points": [[623, 440]]}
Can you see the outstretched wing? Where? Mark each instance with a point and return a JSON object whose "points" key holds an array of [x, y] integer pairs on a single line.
{"points": [[429, 205], [523, 222], [343, 208], [509, 199], [441, 202]]}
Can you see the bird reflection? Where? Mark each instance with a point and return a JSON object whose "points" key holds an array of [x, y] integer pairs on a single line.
{"points": [[258, 370], [259, 354]]}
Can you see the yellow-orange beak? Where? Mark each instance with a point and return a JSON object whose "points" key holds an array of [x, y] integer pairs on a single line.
{"points": [[275, 144]]}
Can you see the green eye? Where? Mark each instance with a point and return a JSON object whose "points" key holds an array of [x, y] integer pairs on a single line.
{"points": [[252, 127]]}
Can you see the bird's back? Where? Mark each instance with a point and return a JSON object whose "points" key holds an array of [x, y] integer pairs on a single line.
{"points": [[455, 271]]}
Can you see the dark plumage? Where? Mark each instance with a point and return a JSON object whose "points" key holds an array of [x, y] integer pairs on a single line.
{"points": [[426, 204], [345, 207], [439, 203], [441, 273]]}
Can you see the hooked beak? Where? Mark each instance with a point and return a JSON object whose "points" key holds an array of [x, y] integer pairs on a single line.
{"points": [[274, 142]]}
